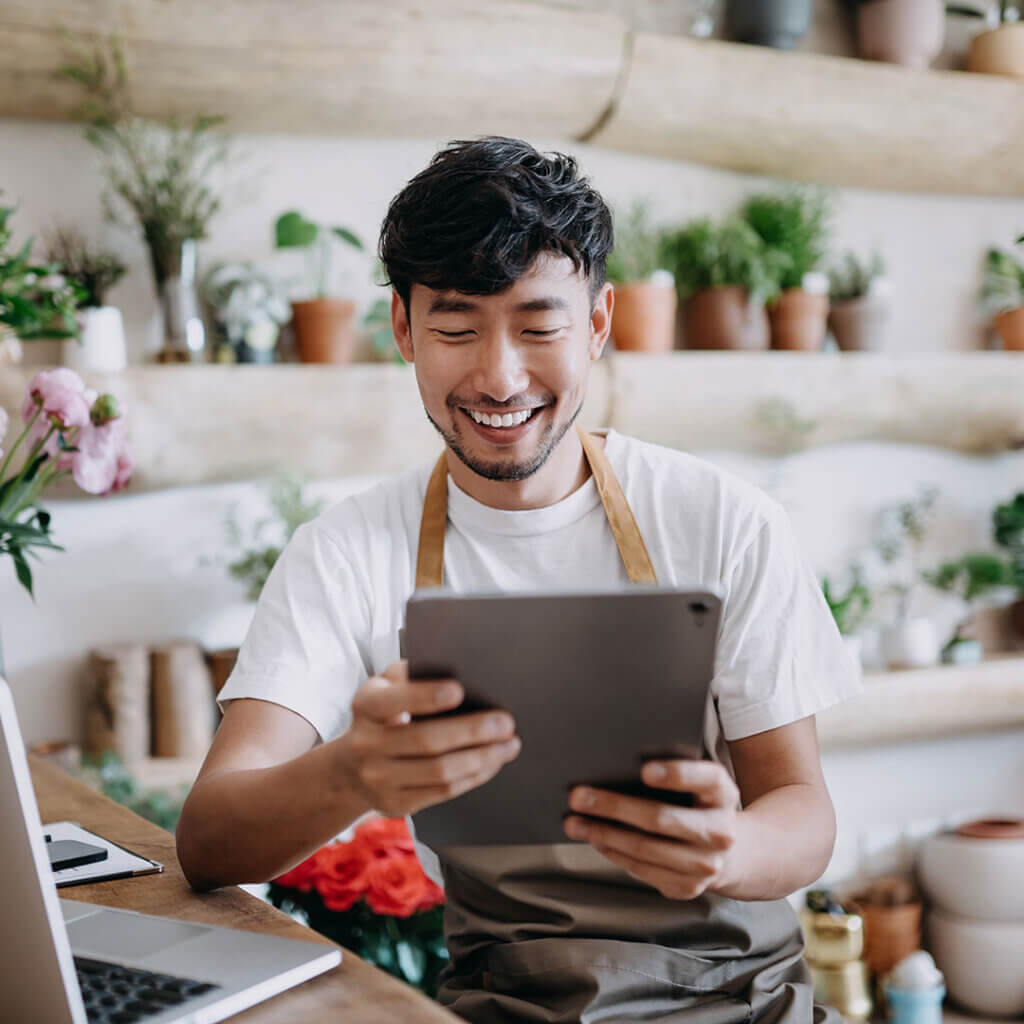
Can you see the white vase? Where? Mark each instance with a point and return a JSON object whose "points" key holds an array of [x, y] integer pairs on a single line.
{"points": [[913, 643], [101, 345]]}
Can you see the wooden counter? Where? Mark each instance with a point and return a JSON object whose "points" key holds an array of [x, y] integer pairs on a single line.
{"points": [[353, 992]]}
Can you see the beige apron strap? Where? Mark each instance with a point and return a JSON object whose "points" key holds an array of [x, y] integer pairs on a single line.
{"points": [[628, 538], [430, 556]]}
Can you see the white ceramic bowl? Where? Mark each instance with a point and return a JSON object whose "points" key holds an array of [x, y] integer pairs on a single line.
{"points": [[981, 879], [981, 961]]}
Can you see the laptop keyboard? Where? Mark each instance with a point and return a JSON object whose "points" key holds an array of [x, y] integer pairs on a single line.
{"points": [[122, 995]]}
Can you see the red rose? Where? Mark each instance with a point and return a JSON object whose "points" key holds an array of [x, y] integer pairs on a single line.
{"points": [[302, 876], [383, 836], [396, 884], [342, 874], [434, 897]]}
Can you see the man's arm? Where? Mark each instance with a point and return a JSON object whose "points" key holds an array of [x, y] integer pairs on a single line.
{"points": [[268, 796], [781, 840]]}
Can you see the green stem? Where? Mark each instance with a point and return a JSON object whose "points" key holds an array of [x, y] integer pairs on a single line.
{"points": [[324, 242], [21, 437]]}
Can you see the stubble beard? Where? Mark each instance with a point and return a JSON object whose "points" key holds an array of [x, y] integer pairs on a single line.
{"points": [[506, 471]]}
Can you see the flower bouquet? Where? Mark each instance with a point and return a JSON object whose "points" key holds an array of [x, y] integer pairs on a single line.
{"points": [[69, 430], [370, 895]]}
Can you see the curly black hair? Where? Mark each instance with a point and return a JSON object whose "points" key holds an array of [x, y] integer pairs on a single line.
{"points": [[475, 219]]}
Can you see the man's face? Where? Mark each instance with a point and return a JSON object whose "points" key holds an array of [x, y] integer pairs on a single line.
{"points": [[523, 355]]}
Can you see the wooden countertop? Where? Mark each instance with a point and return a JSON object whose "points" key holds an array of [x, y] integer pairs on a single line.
{"points": [[354, 991]]}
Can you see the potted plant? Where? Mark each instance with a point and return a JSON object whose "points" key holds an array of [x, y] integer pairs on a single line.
{"points": [[1000, 50], [36, 300], [794, 224], [1002, 294], [849, 609], [644, 315], [377, 324], [907, 32], [248, 307], [324, 327], [1008, 533], [100, 346], [724, 274], [858, 309], [970, 577], [778, 23], [159, 177]]}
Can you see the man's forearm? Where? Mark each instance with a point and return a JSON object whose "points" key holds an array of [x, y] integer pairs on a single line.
{"points": [[783, 842], [252, 825]]}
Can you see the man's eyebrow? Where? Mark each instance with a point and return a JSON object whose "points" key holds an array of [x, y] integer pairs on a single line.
{"points": [[458, 304], [542, 305], [445, 304]]}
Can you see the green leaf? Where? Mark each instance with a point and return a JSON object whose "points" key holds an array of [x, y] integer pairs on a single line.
{"points": [[294, 231], [348, 236], [23, 571]]}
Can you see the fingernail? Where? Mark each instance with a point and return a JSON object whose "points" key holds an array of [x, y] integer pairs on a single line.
{"points": [[446, 695], [575, 828], [655, 772], [513, 747], [583, 799]]}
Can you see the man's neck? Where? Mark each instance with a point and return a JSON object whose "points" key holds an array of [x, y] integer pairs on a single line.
{"points": [[565, 471]]}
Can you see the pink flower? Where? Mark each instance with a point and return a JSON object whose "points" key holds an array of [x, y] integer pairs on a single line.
{"points": [[125, 468], [103, 461], [64, 401]]}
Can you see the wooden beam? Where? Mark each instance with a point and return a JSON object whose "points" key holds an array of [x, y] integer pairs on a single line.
{"points": [[808, 117]]}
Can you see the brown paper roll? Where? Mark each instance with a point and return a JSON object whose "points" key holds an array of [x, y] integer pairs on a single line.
{"points": [[117, 701], [183, 708]]}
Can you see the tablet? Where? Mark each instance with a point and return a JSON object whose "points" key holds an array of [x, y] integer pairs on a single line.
{"points": [[598, 683]]}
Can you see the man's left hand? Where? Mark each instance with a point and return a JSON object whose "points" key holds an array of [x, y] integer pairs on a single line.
{"points": [[681, 851]]}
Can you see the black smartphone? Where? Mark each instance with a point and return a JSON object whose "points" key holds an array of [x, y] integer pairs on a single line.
{"points": [[70, 853]]}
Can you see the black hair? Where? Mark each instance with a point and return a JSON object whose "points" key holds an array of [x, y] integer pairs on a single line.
{"points": [[477, 217]]}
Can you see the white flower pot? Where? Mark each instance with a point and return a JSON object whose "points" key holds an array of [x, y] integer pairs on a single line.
{"points": [[913, 643], [101, 346]]}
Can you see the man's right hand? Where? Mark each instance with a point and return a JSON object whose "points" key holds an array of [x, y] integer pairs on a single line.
{"points": [[400, 762]]}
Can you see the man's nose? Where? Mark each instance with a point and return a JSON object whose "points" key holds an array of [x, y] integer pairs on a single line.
{"points": [[500, 371]]}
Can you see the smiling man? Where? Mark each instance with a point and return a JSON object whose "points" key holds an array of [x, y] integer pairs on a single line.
{"points": [[496, 254]]}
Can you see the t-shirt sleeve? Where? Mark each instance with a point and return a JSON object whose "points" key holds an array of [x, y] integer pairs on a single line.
{"points": [[780, 656], [304, 649]]}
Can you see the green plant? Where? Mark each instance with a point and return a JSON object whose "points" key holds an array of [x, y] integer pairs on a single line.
{"points": [[852, 278], [640, 248], [851, 607], [35, 300], [292, 230], [114, 779], [794, 224], [158, 173], [1003, 286], [377, 322], [1008, 532], [93, 270], [242, 298], [900, 537], [704, 255], [970, 578], [257, 549]]}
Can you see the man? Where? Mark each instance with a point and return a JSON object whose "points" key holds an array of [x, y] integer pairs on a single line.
{"points": [[496, 255]]}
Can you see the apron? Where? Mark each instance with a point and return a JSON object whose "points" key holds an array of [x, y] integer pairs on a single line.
{"points": [[560, 934]]}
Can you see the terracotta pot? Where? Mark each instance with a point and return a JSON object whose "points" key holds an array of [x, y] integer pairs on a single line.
{"points": [[907, 32], [859, 324], [1010, 326], [325, 330], [724, 318], [1016, 613], [778, 23], [798, 321], [999, 52], [644, 317], [890, 934]]}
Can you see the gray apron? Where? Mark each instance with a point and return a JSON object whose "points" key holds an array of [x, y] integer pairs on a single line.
{"points": [[558, 933]]}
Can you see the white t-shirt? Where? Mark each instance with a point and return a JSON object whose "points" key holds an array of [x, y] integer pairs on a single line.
{"points": [[329, 615]]}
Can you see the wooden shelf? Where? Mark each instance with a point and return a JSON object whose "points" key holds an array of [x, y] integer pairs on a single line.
{"points": [[455, 67], [922, 703]]}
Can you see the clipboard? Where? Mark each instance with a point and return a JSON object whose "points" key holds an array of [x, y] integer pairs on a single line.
{"points": [[119, 863]]}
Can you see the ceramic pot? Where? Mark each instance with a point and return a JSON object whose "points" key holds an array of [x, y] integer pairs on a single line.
{"points": [[325, 330], [890, 934], [1010, 326], [912, 644], [644, 317], [981, 961], [778, 23], [798, 321], [907, 32], [976, 872], [724, 318], [100, 347], [917, 1006], [999, 52], [859, 324]]}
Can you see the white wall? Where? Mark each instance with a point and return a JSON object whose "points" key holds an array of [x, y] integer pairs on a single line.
{"points": [[933, 244]]}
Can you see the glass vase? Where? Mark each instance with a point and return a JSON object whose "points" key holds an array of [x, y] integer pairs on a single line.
{"points": [[174, 268]]}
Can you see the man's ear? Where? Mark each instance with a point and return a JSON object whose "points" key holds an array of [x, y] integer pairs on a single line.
{"points": [[400, 327], [601, 320]]}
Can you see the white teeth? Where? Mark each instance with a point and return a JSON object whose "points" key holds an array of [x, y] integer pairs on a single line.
{"points": [[509, 419]]}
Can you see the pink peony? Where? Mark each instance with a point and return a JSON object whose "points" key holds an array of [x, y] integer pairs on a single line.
{"points": [[103, 462], [64, 401]]}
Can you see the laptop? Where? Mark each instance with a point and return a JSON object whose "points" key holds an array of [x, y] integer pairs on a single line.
{"points": [[67, 962]]}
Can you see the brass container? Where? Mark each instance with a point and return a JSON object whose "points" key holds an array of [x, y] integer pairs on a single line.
{"points": [[832, 939], [844, 986]]}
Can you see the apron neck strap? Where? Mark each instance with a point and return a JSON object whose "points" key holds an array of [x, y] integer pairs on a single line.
{"points": [[628, 539]]}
